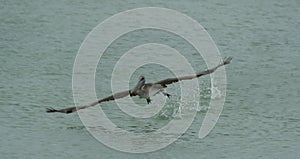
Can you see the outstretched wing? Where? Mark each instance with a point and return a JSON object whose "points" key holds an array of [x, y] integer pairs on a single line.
{"points": [[74, 109], [168, 81]]}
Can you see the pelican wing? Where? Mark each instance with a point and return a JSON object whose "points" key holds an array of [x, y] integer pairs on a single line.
{"points": [[168, 81], [74, 109]]}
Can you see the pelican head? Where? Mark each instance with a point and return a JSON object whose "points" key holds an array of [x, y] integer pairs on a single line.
{"points": [[141, 81]]}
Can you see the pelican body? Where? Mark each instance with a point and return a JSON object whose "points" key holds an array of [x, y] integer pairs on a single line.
{"points": [[146, 90]]}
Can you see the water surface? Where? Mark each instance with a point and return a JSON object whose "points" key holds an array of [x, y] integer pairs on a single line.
{"points": [[39, 43]]}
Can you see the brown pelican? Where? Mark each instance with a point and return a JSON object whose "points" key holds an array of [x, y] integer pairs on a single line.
{"points": [[143, 89]]}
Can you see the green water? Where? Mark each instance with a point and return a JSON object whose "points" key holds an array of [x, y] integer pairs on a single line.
{"points": [[40, 40]]}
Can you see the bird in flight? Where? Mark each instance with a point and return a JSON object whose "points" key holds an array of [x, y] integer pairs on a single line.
{"points": [[143, 89]]}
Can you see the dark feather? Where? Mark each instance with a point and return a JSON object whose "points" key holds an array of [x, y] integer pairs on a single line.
{"points": [[168, 81], [74, 109]]}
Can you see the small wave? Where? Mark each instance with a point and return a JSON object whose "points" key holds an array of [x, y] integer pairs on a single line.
{"points": [[76, 127]]}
